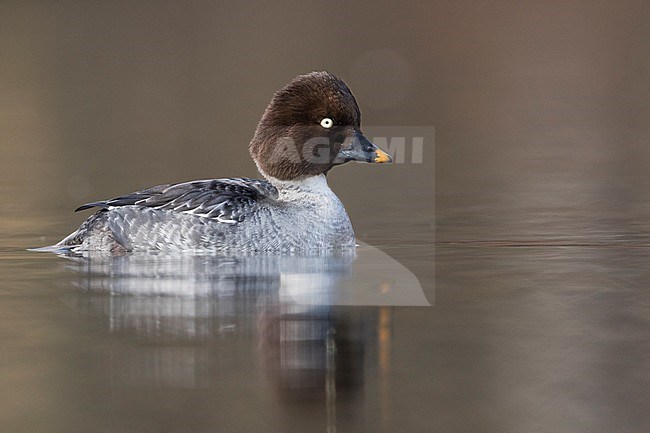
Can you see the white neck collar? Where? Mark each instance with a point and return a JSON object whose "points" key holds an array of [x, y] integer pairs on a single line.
{"points": [[317, 184]]}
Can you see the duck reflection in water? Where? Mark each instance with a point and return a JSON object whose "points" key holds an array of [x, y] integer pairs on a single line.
{"points": [[314, 353], [312, 318]]}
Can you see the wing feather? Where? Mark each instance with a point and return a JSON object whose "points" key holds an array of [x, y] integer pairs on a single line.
{"points": [[227, 200]]}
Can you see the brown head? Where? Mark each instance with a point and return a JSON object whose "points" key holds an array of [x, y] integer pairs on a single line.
{"points": [[310, 126]]}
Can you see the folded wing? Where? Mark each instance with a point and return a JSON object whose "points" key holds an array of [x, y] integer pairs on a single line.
{"points": [[227, 200]]}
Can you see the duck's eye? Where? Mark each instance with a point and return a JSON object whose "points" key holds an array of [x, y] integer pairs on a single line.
{"points": [[327, 123]]}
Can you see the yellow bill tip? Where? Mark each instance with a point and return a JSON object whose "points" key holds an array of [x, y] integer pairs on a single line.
{"points": [[382, 157]]}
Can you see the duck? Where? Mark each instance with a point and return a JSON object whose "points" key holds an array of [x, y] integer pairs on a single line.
{"points": [[311, 125]]}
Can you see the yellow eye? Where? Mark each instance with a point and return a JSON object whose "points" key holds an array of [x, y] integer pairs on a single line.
{"points": [[326, 123]]}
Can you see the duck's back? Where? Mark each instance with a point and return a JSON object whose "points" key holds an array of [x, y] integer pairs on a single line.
{"points": [[197, 215]]}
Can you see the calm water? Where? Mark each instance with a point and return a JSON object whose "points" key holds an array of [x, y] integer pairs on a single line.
{"points": [[520, 302]]}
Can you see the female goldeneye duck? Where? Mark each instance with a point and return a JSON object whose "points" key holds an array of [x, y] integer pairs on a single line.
{"points": [[310, 126]]}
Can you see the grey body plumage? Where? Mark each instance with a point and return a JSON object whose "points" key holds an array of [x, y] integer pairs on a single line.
{"points": [[226, 215]]}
